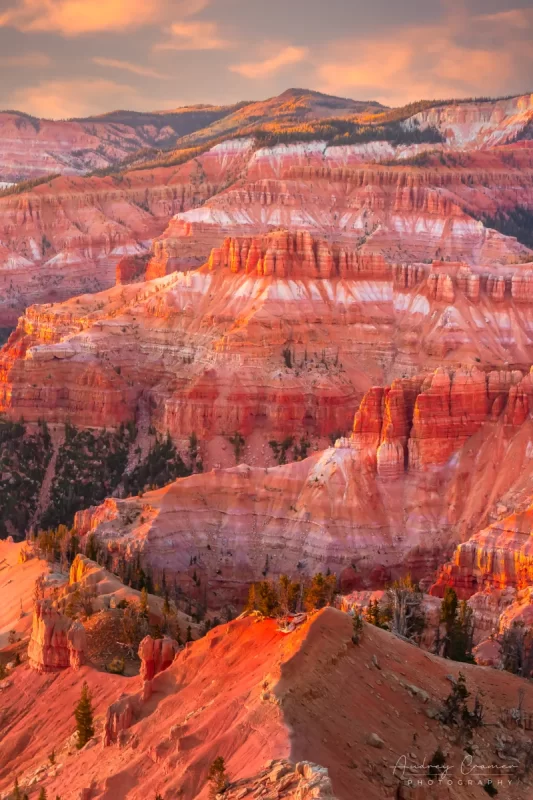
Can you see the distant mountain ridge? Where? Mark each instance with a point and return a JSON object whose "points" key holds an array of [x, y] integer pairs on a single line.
{"points": [[31, 147]]}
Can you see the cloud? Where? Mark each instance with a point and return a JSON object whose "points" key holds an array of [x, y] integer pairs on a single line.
{"points": [[57, 99], [193, 36], [39, 60], [481, 55], [270, 66], [75, 17], [516, 18], [136, 69]]}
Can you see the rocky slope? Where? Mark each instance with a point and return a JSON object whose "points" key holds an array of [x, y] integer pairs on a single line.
{"points": [[409, 214], [274, 719], [32, 147], [17, 580]]}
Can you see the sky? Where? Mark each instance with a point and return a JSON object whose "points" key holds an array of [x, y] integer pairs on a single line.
{"points": [[65, 58]]}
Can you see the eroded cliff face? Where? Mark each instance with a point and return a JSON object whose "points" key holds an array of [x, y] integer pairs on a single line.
{"points": [[408, 214], [66, 236], [430, 461], [496, 558], [479, 124], [276, 336]]}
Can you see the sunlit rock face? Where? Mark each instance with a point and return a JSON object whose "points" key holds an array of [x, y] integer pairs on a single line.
{"points": [[430, 461], [66, 237], [279, 334], [56, 641], [496, 558]]}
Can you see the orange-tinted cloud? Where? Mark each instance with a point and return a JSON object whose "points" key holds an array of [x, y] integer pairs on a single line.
{"points": [[58, 99], [270, 66], [127, 66], [75, 17], [447, 60], [193, 36]]}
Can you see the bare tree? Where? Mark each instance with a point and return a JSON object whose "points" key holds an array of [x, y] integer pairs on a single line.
{"points": [[517, 650], [405, 600]]}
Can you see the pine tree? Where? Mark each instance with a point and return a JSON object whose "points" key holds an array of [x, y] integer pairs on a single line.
{"points": [[84, 717], [321, 591], [42, 794], [462, 636], [251, 605], [357, 625], [289, 592], [17, 794], [143, 603], [217, 777], [459, 624], [448, 614], [376, 616], [189, 634], [405, 601]]}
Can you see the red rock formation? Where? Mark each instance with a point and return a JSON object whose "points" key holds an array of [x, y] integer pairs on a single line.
{"points": [[56, 643], [479, 124], [119, 717], [225, 348], [131, 269], [495, 558], [156, 655], [429, 461], [66, 236], [409, 214]]}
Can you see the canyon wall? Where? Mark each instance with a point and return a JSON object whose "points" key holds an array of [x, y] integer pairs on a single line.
{"points": [[277, 335], [430, 461], [65, 236]]}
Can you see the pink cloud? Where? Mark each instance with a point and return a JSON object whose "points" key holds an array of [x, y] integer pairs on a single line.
{"points": [[193, 36], [270, 66], [431, 61], [61, 99], [75, 17], [127, 66]]}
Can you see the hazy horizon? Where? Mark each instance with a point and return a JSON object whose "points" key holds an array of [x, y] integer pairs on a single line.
{"points": [[247, 101]]}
